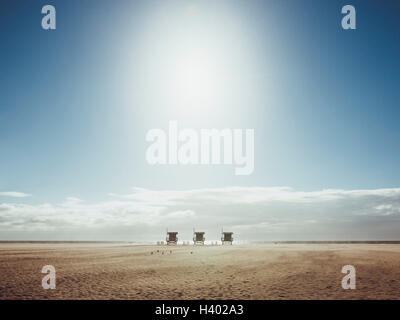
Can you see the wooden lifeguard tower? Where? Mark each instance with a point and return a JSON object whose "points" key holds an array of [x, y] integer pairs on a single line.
{"points": [[172, 238], [198, 237], [226, 237]]}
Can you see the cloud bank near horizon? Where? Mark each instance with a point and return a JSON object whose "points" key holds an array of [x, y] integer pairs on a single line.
{"points": [[252, 213], [14, 194]]}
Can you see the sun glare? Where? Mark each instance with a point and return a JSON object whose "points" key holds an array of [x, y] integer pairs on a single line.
{"points": [[197, 80]]}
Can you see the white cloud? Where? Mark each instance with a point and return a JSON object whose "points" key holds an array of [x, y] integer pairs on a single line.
{"points": [[14, 194], [181, 214], [71, 201], [253, 213]]}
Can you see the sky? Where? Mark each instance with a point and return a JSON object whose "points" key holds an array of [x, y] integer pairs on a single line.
{"points": [[76, 104]]}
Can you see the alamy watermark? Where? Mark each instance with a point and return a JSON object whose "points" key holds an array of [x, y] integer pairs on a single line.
{"points": [[349, 280], [204, 146], [347, 22], [49, 20], [49, 280]]}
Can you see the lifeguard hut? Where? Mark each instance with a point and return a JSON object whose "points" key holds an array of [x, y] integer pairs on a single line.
{"points": [[198, 237], [226, 237], [172, 238]]}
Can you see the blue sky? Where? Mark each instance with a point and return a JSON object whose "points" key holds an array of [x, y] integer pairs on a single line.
{"points": [[76, 102]]}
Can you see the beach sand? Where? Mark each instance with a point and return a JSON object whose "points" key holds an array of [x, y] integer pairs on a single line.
{"points": [[254, 271]]}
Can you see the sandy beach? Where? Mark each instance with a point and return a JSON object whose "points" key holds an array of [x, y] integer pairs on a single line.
{"points": [[256, 271]]}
